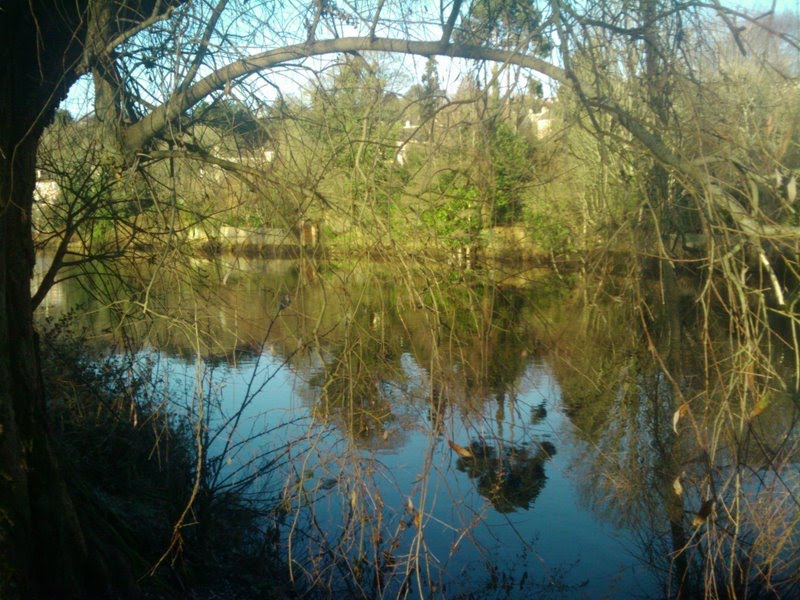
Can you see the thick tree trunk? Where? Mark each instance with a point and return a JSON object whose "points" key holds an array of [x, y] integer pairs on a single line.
{"points": [[38, 529]]}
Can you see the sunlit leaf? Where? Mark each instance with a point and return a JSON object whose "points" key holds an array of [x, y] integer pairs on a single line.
{"points": [[460, 450], [683, 409], [761, 405]]}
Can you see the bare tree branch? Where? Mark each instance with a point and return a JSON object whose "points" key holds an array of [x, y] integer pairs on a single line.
{"points": [[447, 32], [136, 136], [155, 17], [202, 50], [748, 224]]}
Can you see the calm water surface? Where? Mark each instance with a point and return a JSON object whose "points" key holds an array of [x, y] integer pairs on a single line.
{"points": [[444, 438]]}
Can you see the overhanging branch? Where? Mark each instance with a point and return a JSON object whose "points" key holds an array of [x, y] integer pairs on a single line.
{"points": [[747, 223], [136, 136]]}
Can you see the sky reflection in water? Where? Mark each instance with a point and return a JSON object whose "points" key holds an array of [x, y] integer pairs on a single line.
{"points": [[370, 426], [552, 535]]}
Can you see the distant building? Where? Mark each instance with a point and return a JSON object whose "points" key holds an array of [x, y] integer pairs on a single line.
{"points": [[46, 189], [542, 121], [409, 130]]}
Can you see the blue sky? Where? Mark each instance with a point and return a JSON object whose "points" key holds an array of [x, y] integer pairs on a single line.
{"points": [[79, 101]]}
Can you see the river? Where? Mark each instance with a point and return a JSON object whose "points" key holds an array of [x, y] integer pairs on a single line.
{"points": [[424, 429]]}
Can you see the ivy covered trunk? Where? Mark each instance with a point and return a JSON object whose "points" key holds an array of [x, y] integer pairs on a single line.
{"points": [[42, 548]]}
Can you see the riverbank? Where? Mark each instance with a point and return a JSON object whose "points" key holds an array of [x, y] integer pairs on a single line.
{"points": [[153, 521], [505, 244]]}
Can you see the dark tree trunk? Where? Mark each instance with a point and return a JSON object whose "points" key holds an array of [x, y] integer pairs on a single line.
{"points": [[42, 548]]}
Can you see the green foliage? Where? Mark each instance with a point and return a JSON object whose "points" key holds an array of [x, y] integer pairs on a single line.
{"points": [[516, 482], [232, 119], [549, 232], [248, 220], [430, 92], [452, 216], [93, 196], [62, 117], [127, 465], [349, 134], [511, 157]]}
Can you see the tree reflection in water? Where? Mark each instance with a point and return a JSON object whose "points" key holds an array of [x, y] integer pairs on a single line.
{"points": [[509, 476], [674, 449], [387, 367]]}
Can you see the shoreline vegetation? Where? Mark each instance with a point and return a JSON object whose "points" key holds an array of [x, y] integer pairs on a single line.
{"points": [[153, 523], [510, 243]]}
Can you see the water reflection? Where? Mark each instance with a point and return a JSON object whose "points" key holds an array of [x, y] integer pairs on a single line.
{"points": [[668, 431], [510, 477], [483, 412], [384, 371]]}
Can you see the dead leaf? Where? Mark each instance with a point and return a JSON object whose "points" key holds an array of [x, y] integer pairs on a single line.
{"points": [[681, 412], [460, 450], [677, 487], [761, 405], [328, 484]]}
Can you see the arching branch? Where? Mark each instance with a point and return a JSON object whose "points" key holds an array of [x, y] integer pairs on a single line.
{"points": [[137, 135]]}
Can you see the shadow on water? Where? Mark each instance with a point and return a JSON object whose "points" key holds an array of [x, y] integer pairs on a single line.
{"points": [[494, 436]]}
